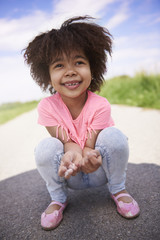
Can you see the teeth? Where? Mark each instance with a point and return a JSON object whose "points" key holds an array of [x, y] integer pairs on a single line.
{"points": [[71, 84]]}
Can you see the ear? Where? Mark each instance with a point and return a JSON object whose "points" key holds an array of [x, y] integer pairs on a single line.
{"points": [[50, 83]]}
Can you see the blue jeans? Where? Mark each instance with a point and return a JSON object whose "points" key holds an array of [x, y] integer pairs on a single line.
{"points": [[113, 147]]}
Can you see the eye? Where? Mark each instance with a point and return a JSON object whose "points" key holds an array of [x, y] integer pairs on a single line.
{"points": [[79, 62], [59, 65]]}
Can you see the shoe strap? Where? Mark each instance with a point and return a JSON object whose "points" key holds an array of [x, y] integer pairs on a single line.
{"points": [[58, 203], [122, 195]]}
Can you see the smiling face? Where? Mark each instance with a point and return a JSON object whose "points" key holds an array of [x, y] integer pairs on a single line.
{"points": [[70, 76]]}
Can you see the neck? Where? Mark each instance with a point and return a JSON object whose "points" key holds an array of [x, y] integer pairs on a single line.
{"points": [[75, 105], [75, 102]]}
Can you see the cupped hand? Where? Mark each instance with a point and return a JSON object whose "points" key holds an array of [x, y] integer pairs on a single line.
{"points": [[70, 164], [91, 162]]}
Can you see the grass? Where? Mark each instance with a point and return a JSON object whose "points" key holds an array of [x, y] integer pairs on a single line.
{"points": [[142, 90], [9, 111]]}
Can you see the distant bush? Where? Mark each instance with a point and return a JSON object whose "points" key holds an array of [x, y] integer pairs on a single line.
{"points": [[142, 90]]}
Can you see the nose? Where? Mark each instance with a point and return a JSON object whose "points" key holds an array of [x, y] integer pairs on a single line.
{"points": [[70, 71]]}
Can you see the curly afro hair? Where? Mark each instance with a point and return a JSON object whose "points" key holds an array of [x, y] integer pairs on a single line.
{"points": [[74, 34]]}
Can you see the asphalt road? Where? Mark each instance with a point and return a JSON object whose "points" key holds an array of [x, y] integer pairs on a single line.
{"points": [[90, 215]]}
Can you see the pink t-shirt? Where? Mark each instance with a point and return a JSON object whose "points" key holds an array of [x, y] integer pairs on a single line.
{"points": [[95, 115]]}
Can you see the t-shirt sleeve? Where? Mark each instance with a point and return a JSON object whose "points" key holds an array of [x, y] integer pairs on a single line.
{"points": [[46, 114], [102, 118]]}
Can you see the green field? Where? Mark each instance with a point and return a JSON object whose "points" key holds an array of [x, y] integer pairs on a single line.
{"points": [[9, 111], [142, 90]]}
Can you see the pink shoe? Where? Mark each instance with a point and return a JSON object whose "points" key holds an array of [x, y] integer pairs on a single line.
{"points": [[52, 220], [127, 210]]}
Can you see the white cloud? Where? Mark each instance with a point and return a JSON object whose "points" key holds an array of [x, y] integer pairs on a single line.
{"points": [[157, 20], [140, 53], [121, 16], [116, 20], [149, 19], [129, 61], [131, 53], [88, 7], [135, 53], [16, 33], [16, 82]]}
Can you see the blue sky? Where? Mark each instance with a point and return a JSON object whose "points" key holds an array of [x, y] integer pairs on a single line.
{"points": [[134, 24]]}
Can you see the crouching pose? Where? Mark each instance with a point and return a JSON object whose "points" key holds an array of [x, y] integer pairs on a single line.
{"points": [[85, 149]]}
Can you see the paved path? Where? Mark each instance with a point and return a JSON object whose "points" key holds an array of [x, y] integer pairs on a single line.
{"points": [[19, 137], [91, 214]]}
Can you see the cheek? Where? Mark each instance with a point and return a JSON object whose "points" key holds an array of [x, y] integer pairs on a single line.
{"points": [[54, 85], [53, 80], [87, 74]]}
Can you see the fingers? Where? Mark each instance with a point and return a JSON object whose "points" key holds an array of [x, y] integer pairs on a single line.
{"points": [[72, 163], [68, 173], [67, 167], [91, 162], [94, 158], [65, 162], [71, 171], [95, 153], [62, 170]]}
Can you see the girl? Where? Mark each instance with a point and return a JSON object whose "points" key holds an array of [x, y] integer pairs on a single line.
{"points": [[84, 149]]}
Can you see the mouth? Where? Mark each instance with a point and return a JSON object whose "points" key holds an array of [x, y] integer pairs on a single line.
{"points": [[72, 84]]}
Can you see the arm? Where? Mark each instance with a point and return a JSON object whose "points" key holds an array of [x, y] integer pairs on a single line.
{"points": [[92, 159], [88, 160], [73, 153], [68, 145], [90, 143]]}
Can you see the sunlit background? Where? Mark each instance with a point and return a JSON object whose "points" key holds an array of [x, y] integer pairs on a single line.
{"points": [[134, 24]]}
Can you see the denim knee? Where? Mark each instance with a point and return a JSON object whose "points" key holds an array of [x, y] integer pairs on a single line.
{"points": [[112, 141], [48, 149], [113, 147]]}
